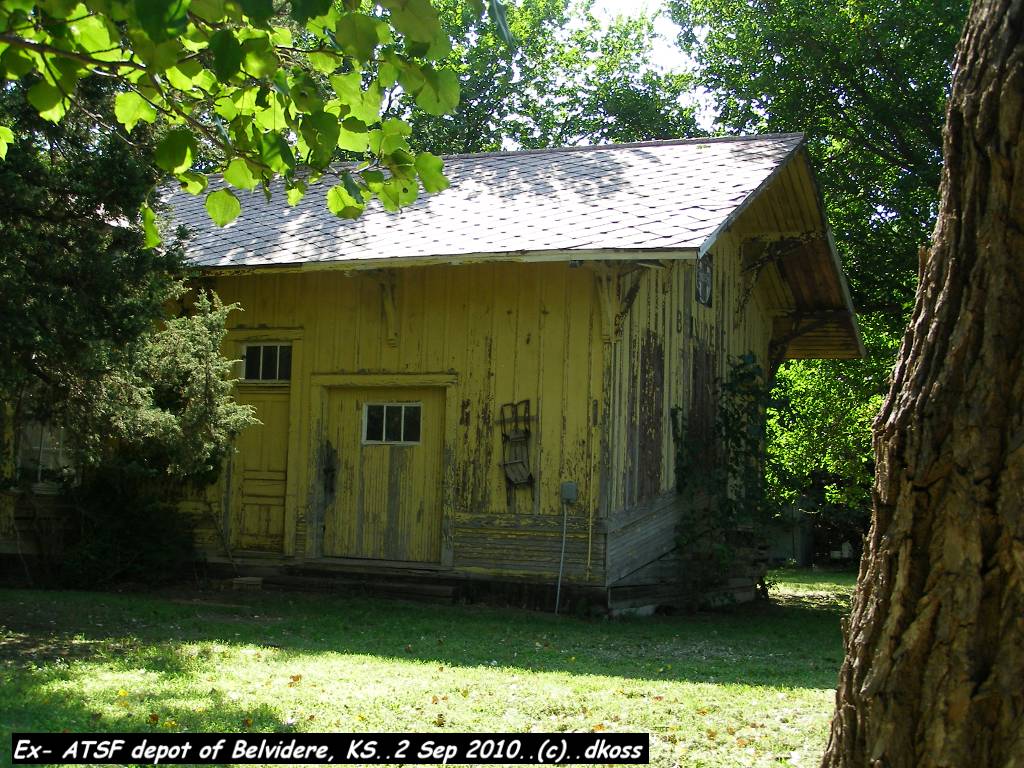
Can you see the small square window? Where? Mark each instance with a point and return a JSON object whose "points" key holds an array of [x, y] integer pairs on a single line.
{"points": [[252, 362], [269, 370], [284, 362], [411, 425], [268, 362], [392, 423], [374, 424]]}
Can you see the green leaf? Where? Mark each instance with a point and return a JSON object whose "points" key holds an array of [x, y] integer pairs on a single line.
{"points": [[387, 74], [48, 100], [227, 54], [157, 56], [281, 36], [416, 19], [223, 207], [397, 193], [390, 137], [149, 228], [276, 152], [205, 81], [97, 36], [304, 10], [496, 10], [176, 151], [304, 94], [6, 138], [182, 75], [192, 182], [352, 187], [238, 174], [320, 132], [210, 10], [295, 194], [17, 62], [358, 36], [130, 109], [259, 58], [353, 135], [374, 180], [226, 108], [341, 203], [430, 169], [363, 105], [58, 9], [162, 19], [440, 92], [411, 77], [327, 63], [258, 11], [401, 163]]}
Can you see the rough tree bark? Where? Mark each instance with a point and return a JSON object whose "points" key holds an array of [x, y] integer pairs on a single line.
{"points": [[934, 668]]}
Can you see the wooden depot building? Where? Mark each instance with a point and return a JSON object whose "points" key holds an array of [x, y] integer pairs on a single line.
{"points": [[442, 388]]}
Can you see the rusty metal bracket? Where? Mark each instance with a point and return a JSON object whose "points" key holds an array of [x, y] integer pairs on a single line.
{"points": [[515, 445]]}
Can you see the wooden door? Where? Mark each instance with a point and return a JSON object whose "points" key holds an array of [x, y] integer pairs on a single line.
{"points": [[259, 474], [387, 502]]}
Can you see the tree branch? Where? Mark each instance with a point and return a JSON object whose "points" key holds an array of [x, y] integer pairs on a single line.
{"points": [[19, 42]]}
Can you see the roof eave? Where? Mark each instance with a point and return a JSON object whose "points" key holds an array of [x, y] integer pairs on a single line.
{"points": [[688, 253], [729, 220]]}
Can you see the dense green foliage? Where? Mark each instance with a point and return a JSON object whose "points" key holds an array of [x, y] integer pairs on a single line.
{"points": [[74, 287], [571, 79], [143, 395], [247, 90], [720, 473], [83, 297], [867, 81], [157, 425]]}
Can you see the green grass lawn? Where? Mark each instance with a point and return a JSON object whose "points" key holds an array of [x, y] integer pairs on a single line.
{"points": [[749, 686]]}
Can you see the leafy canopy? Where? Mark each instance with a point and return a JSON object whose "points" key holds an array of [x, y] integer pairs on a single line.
{"points": [[570, 79], [245, 88]]}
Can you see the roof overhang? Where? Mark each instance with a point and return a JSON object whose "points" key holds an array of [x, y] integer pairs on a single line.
{"points": [[817, 320], [361, 265]]}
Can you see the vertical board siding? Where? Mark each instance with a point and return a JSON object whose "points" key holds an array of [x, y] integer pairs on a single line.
{"points": [[670, 346], [505, 332]]}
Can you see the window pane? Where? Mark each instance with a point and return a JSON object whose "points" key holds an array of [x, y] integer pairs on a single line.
{"points": [[269, 372], [411, 424], [374, 423], [393, 424], [252, 362], [284, 365]]}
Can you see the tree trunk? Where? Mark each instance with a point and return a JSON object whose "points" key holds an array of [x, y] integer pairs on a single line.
{"points": [[934, 669]]}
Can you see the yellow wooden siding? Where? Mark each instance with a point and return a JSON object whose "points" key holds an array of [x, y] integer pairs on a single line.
{"points": [[258, 474], [503, 333]]}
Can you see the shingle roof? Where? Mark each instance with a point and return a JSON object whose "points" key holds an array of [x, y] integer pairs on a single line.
{"points": [[672, 195]]}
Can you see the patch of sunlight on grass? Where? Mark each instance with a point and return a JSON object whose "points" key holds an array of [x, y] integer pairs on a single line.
{"points": [[750, 686], [824, 588]]}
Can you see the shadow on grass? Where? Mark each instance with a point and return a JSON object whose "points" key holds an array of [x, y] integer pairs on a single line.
{"points": [[792, 643]]}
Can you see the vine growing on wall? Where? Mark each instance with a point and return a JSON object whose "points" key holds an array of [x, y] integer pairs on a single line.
{"points": [[720, 475]]}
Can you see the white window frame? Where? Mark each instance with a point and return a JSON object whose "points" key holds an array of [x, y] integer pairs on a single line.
{"points": [[403, 404], [262, 346], [42, 449]]}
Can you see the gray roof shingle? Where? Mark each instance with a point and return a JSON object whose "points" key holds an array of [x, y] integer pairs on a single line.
{"points": [[671, 195]]}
